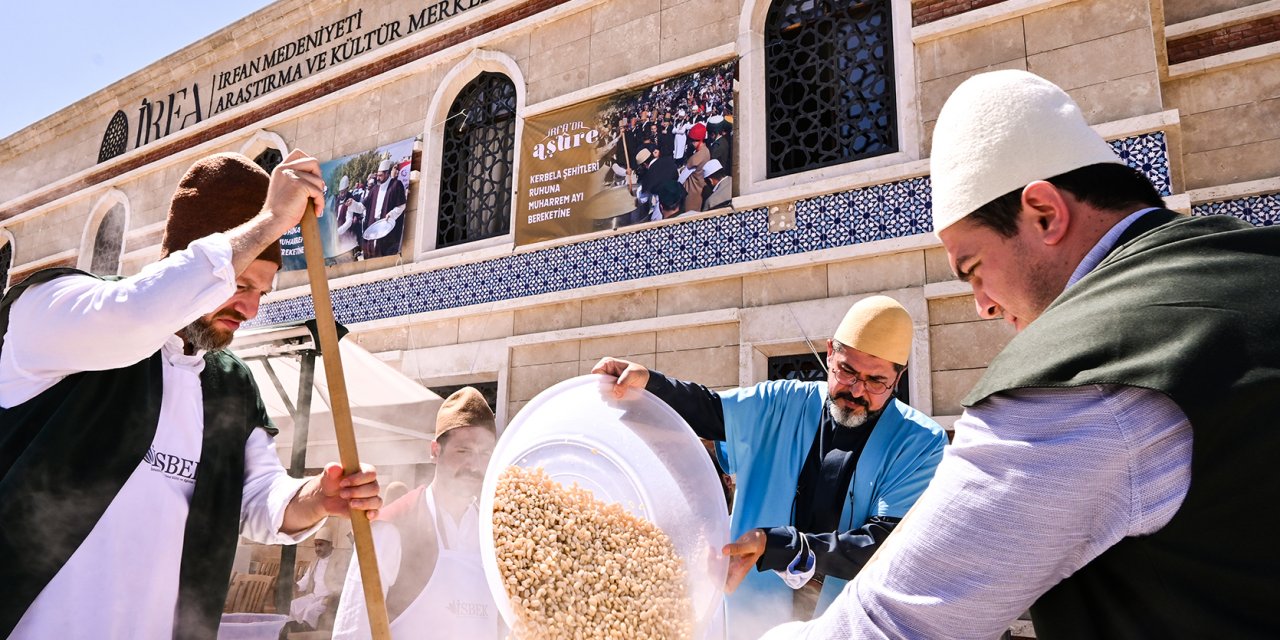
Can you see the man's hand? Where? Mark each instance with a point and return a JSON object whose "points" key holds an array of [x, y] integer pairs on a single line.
{"points": [[293, 183], [629, 374], [743, 555], [332, 494]]}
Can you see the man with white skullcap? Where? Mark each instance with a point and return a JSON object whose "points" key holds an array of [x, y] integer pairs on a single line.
{"points": [[1106, 461], [383, 197], [349, 217], [824, 469], [321, 583]]}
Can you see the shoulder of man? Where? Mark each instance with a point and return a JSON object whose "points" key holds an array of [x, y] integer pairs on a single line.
{"points": [[404, 508], [916, 418], [39, 277]]}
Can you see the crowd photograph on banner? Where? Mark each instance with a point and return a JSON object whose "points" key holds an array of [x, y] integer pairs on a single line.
{"points": [[655, 152], [671, 145], [367, 194]]}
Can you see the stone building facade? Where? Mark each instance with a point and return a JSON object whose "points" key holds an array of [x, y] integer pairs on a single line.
{"points": [[1187, 90]]}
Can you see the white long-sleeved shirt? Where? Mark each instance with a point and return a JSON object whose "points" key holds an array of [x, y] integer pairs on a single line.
{"points": [[1037, 484], [122, 582]]}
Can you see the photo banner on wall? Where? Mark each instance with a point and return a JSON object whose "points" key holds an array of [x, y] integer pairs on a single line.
{"points": [[655, 152], [367, 194]]}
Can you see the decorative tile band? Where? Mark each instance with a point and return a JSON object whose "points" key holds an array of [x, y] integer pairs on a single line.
{"points": [[1262, 211], [878, 212]]}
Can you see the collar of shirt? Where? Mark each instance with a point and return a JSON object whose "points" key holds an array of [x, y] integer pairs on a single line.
{"points": [[1105, 245], [462, 534], [173, 354]]}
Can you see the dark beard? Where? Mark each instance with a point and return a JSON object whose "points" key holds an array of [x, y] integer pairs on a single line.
{"points": [[201, 335]]}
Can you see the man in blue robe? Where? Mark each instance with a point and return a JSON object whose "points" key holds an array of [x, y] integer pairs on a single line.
{"points": [[824, 471]]}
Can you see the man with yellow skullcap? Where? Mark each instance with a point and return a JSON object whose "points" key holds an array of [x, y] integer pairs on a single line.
{"points": [[1113, 470], [428, 541], [824, 470]]}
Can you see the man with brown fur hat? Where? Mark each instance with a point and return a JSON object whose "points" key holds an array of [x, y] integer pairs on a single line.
{"points": [[133, 449], [428, 542], [824, 470]]}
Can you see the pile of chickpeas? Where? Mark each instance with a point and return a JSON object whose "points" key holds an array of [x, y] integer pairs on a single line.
{"points": [[577, 568]]}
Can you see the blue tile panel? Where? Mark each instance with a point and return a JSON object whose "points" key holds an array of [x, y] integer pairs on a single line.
{"points": [[878, 212], [1262, 211], [1148, 154]]}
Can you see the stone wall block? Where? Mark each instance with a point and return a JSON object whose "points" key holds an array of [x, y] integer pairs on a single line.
{"points": [[714, 366], [686, 338], [1076, 22], [968, 50], [784, 285], [544, 353], [634, 305], [700, 296], [968, 345], [549, 317], [879, 273], [620, 346]]}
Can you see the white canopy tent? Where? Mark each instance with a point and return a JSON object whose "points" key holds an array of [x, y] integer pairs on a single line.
{"points": [[394, 416]]}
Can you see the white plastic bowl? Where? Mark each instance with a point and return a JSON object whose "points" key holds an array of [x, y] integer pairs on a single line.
{"points": [[635, 451]]}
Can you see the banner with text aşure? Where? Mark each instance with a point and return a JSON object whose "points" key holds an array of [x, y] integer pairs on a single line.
{"points": [[628, 158]]}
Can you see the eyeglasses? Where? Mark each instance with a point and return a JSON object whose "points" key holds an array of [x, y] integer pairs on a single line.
{"points": [[848, 377]]}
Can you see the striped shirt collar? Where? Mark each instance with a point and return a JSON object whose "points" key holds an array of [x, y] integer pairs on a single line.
{"points": [[1105, 245]]}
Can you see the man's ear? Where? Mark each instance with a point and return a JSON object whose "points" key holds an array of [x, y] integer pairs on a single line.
{"points": [[1049, 215]]}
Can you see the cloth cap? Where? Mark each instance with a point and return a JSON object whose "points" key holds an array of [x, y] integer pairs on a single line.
{"points": [[1001, 131], [385, 165], [464, 408], [711, 168], [325, 533], [670, 194], [344, 183], [643, 156], [698, 132], [718, 124], [218, 193], [879, 326]]}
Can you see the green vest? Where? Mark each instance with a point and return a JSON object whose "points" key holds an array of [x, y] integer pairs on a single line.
{"points": [[65, 453], [1191, 309]]}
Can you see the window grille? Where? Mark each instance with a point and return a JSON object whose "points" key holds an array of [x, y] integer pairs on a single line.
{"points": [[830, 96], [107, 242], [116, 138], [476, 164], [6, 260], [269, 159]]}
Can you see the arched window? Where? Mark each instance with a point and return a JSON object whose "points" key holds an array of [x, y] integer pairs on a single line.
{"points": [[269, 159], [829, 83], [115, 139], [6, 261], [476, 162], [107, 242]]}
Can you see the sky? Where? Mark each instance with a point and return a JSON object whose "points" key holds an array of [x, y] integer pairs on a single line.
{"points": [[57, 54]]}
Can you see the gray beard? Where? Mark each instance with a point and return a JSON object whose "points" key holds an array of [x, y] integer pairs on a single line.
{"points": [[850, 420], [201, 336]]}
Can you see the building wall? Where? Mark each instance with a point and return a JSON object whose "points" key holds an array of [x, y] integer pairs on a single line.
{"points": [[529, 317]]}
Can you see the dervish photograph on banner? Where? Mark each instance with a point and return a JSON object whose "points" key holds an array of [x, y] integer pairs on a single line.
{"points": [[367, 194], [653, 153]]}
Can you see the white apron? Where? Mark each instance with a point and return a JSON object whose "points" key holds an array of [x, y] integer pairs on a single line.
{"points": [[456, 602]]}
